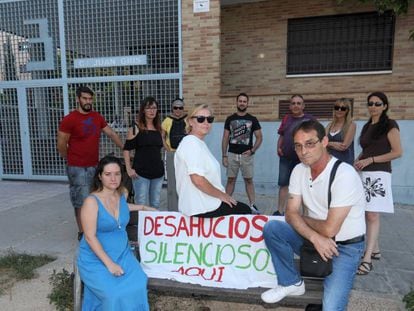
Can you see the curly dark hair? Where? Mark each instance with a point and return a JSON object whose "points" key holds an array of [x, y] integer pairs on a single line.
{"points": [[384, 120]]}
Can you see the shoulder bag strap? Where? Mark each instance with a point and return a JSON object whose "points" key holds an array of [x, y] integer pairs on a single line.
{"points": [[331, 179]]}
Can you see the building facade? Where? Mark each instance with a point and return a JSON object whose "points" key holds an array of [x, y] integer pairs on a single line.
{"points": [[204, 51]]}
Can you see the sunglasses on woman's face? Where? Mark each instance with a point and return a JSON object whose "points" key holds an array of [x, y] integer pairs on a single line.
{"points": [[178, 108], [342, 108], [201, 119], [377, 104]]}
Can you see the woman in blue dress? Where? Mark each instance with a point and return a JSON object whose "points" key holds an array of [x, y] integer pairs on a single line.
{"points": [[341, 131], [112, 275]]}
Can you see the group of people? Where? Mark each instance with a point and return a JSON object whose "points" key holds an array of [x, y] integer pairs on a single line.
{"points": [[307, 152]]}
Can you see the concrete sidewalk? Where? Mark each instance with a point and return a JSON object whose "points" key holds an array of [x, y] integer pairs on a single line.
{"points": [[37, 217]]}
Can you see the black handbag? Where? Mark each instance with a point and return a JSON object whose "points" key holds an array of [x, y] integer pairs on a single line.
{"points": [[311, 263]]}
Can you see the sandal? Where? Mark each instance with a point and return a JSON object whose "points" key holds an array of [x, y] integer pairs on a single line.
{"points": [[364, 268], [376, 255]]}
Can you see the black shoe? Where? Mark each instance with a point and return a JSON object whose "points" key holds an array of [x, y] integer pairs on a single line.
{"points": [[80, 235], [277, 213]]}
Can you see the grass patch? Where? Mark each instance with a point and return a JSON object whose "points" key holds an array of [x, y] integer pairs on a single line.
{"points": [[409, 301], [15, 267], [62, 290]]}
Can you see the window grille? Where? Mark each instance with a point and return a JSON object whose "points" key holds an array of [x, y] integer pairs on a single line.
{"points": [[340, 43], [322, 109]]}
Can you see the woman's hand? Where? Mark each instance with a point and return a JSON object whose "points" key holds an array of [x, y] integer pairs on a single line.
{"points": [[115, 269], [148, 208], [131, 173], [361, 164]]}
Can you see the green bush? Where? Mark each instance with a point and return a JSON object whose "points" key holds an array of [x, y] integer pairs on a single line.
{"points": [[62, 290], [409, 301]]}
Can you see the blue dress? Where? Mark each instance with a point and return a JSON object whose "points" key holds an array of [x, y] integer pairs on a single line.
{"points": [[102, 290]]}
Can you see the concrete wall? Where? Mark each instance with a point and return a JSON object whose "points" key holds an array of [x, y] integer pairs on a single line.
{"points": [[267, 161]]}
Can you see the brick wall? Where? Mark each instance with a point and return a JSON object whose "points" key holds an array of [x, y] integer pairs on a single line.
{"points": [[253, 60], [201, 54]]}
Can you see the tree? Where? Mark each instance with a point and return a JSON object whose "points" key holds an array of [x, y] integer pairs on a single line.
{"points": [[399, 7]]}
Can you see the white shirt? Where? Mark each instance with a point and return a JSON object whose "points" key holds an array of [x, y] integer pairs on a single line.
{"points": [[346, 190], [194, 157]]}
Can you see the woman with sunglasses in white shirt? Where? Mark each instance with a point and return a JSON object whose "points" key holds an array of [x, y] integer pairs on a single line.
{"points": [[198, 175], [381, 143], [341, 131]]}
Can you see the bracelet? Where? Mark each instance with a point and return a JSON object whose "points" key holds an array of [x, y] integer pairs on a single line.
{"points": [[373, 161], [251, 151], [225, 156]]}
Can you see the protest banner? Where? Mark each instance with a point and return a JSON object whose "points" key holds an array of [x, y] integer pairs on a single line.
{"points": [[227, 252]]}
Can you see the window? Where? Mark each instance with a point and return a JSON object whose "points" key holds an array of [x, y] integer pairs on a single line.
{"points": [[340, 43], [322, 109]]}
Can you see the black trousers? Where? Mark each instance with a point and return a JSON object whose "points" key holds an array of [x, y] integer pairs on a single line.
{"points": [[225, 209]]}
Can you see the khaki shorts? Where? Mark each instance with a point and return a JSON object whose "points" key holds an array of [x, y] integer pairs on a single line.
{"points": [[244, 162]]}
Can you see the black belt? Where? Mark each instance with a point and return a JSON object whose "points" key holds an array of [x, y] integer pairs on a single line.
{"points": [[352, 241]]}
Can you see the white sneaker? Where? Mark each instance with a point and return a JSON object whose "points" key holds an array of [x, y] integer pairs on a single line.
{"points": [[277, 294]]}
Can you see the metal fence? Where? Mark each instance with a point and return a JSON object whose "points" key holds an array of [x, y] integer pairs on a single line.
{"points": [[124, 50]]}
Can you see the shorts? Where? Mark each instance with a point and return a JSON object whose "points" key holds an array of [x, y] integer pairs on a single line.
{"points": [[286, 167], [80, 181], [236, 161]]}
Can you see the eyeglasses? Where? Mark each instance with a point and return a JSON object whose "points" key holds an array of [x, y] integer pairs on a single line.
{"points": [[201, 119], [342, 108], [178, 108], [307, 145], [296, 103], [377, 104]]}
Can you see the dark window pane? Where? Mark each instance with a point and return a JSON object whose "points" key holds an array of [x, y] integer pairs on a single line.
{"points": [[340, 43]]}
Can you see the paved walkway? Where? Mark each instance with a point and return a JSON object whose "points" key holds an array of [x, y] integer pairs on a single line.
{"points": [[37, 217]]}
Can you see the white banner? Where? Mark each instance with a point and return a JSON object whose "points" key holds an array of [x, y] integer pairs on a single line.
{"points": [[226, 252]]}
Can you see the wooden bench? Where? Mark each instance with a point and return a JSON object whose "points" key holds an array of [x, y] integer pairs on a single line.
{"points": [[313, 294], [167, 287]]}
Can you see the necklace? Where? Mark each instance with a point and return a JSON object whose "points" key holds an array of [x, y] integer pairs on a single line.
{"points": [[113, 210]]}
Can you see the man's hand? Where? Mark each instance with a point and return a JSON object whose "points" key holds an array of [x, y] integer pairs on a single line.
{"points": [[225, 161], [228, 199], [326, 247]]}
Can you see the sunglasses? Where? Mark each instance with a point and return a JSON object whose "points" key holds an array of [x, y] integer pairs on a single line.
{"points": [[201, 119], [178, 108], [377, 104], [341, 108]]}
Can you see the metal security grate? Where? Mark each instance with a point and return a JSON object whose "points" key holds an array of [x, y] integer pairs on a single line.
{"points": [[96, 30], [124, 50], [45, 110], [10, 133], [30, 42], [340, 43]]}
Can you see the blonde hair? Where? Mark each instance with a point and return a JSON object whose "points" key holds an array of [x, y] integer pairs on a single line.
{"points": [[193, 113], [347, 102]]}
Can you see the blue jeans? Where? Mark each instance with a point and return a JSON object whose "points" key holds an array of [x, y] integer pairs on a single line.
{"points": [[283, 241], [286, 167], [80, 181], [147, 191]]}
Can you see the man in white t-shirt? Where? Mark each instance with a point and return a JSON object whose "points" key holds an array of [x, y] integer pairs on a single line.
{"points": [[344, 221]]}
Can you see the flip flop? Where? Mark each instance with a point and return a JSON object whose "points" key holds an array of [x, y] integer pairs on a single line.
{"points": [[364, 268], [376, 255]]}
